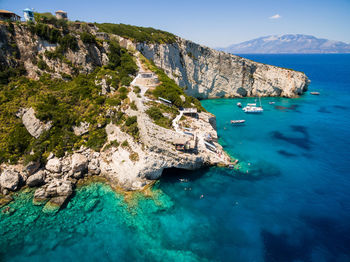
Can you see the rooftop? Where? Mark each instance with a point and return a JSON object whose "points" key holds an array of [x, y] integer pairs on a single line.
{"points": [[6, 12], [179, 140]]}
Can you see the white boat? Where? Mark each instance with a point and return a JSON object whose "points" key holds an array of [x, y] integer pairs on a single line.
{"points": [[237, 121], [253, 108], [271, 103], [239, 104]]}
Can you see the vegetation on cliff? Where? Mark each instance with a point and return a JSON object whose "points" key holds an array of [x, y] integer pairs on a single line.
{"points": [[77, 98], [138, 33], [65, 104], [169, 90]]}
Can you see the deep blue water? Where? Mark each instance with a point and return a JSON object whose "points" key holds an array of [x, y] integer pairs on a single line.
{"points": [[289, 202]]}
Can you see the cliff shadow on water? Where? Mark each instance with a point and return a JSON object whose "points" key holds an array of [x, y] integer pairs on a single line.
{"points": [[173, 175]]}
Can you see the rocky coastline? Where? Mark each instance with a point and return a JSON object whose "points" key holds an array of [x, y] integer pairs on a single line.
{"points": [[155, 151], [125, 162]]}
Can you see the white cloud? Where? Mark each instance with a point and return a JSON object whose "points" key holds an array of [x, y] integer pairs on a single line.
{"points": [[276, 16]]}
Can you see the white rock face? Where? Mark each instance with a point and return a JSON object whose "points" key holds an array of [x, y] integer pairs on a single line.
{"points": [[79, 162], [34, 126], [207, 73], [156, 151], [54, 165], [9, 179]]}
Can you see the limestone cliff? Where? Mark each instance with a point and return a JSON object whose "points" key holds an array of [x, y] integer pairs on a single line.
{"points": [[207, 73], [29, 49], [204, 72]]}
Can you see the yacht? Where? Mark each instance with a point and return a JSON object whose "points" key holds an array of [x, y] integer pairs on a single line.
{"points": [[253, 108]]}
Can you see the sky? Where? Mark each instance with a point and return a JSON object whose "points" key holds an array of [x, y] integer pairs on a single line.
{"points": [[215, 23]]}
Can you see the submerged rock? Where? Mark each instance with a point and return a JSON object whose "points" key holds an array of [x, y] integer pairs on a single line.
{"points": [[5, 200], [54, 205]]}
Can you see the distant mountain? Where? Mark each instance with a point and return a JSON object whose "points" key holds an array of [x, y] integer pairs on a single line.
{"points": [[283, 44]]}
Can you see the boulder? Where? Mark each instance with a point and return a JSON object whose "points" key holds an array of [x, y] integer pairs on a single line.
{"points": [[82, 129], [33, 125], [66, 164], [94, 167], [65, 188], [40, 197], [40, 193], [9, 179], [31, 167], [37, 179], [79, 163], [54, 165]]}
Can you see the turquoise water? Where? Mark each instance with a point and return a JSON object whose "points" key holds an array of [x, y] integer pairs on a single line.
{"points": [[293, 204]]}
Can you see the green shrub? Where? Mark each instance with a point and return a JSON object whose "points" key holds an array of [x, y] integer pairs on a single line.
{"points": [[10, 27], [137, 33], [69, 41], [42, 65], [125, 143], [134, 156], [17, 144], [130, 120], [169, 90], [87, 38], [122, 61], [97, 139], [156, 115], [133, 106], [137, 89], [8, 73], [113, 143], [113, 101]]}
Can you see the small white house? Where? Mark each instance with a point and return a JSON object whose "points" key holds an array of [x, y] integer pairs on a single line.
{"points": [[61, 15], [28, 14]]}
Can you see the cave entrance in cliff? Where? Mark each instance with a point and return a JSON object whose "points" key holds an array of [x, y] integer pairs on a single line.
{"points": [[174, 175]]}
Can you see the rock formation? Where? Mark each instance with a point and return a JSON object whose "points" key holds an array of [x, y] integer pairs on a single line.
{"points": [[33, 125], [207, 73], [204, 72]]}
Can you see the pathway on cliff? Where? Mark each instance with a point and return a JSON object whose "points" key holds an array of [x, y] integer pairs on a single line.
{"points": [[176, 120], [175, 123]]}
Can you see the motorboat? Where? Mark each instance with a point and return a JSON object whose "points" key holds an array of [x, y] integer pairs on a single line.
{"points": [[239, 104], [235, 122], [315, 93], [271, 103]]}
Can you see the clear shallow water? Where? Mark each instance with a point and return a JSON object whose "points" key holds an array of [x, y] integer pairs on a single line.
{"points": [[292, 205]]}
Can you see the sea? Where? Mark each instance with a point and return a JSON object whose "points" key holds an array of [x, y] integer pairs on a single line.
{"points": [[288, 202]]}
